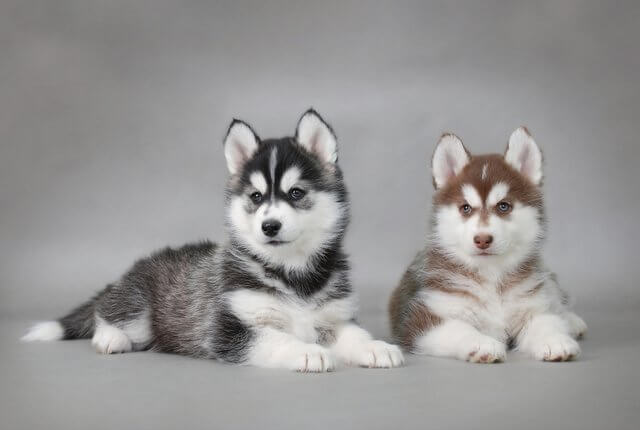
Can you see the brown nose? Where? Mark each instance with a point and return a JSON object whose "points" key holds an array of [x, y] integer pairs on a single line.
{"points": [[483, 241]]}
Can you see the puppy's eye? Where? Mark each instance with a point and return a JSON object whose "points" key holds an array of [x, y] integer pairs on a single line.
{"points": [[256, 197], [504, 207], [465, 209], [296, 193]]}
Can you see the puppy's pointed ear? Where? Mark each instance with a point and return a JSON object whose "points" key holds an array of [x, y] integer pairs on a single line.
{"points": [[317, 137], [448, 160], [524, 155], [240, 144]]}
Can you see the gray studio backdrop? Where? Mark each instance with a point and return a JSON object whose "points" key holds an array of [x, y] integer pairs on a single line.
{"points": [[112, 115]]}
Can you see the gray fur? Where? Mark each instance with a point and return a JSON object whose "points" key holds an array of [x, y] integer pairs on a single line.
{"points": [[181, 293]]}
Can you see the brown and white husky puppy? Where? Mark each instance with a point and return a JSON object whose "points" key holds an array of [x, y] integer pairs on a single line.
{"points": [[480, 286]]}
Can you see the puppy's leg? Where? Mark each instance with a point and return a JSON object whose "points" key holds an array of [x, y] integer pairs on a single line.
{"points": [[133, 334], [276, 349], [548, 337], [109, 339], [458, 339], [122, 319], [355, 346]]}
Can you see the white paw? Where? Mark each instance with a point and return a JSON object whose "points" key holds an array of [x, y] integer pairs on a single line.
{"points": [[376, 354], [577, 326], [485, 349], [313, 358], [110, 340], [557, 347]]}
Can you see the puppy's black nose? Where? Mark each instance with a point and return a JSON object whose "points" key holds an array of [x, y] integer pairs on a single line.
{"points": [[271, 227]]}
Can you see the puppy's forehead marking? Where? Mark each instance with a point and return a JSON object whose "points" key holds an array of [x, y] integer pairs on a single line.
{"points": [[289, 178], [273, 161], [471, 195], [258, 181], [484, 171], [498, 192]]}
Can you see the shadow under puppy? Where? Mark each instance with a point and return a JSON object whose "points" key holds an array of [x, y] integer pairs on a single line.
{"points": [[277, 294], [480, 284]]}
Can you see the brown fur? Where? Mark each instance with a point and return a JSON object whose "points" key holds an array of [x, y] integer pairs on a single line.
{"points": [[438, 262], [410, 317], [399, 303], [526, 269], [419, 319], [498, 170]]}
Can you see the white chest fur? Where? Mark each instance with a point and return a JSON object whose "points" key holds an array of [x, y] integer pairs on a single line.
{"points": [[298, 317], [492, 309]]}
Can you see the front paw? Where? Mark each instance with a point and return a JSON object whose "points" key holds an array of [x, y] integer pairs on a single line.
{"points": [[485, 349], [376, 354], [108, 339], [557, 347], [312, 358]]}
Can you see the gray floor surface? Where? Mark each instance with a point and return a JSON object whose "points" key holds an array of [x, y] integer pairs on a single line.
{"points": [[67, 385]]}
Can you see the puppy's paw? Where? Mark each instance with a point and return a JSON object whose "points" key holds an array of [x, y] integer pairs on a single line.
{"points": [[577, 326], [313, 358], [110, 340], [486, 349], [376, 354], [557, 347]]}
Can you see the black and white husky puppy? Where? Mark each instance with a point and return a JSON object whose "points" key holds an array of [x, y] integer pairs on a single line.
{"points": [[277, 294]]}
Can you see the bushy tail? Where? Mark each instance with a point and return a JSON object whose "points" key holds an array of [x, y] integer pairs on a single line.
{"points": [[49, 330], [78, 324]]}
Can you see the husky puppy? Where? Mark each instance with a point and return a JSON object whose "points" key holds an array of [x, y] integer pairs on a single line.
{"points": [[480, 286], [276, 295]]}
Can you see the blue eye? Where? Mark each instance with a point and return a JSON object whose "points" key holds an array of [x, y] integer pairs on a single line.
{"points": [[504, 207], [296, 193], [465, 209], [256, 197]]}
